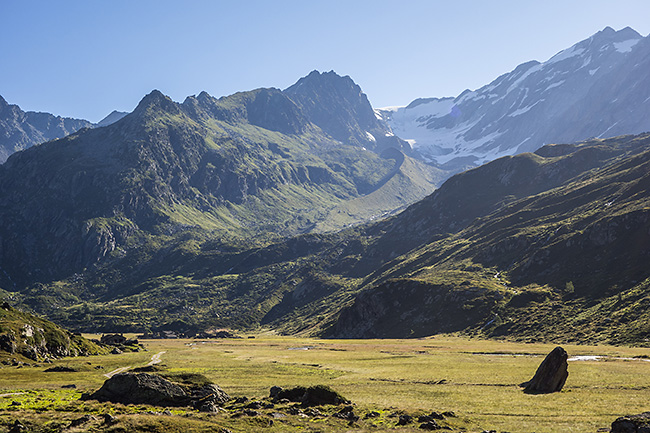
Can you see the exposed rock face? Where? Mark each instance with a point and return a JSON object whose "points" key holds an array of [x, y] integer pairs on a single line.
{"points": [[20, 130], [141, 388], [311, 396], [632, 424], [144, 388], [551, 374]]}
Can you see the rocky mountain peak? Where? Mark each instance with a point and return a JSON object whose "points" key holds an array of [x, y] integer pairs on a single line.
{"points": [[583, 91], [112, 118], [157, 100], [337, 105]]}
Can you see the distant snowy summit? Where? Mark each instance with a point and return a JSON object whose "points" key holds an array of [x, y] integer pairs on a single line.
{"points": [[599, 87]]}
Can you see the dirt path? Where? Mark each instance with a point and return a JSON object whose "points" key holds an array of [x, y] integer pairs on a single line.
{"points": [[12, 393], [155, 359]]}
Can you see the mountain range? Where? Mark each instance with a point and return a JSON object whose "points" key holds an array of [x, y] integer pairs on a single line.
{"points": [[599, 88], [20, 130], [251, 165], [306, 211]]}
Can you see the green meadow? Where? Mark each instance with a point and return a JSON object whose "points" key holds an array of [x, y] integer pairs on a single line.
{"points": [[477, 380]]}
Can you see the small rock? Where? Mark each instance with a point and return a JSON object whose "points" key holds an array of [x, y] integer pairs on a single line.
{"points": [[277, 415], [347, 413], [405, 419], [17, 427], [632, 424], [167, 412], [371, 414], [295, 411], [116, 351], [70, 386], [254, 405], [275, 390], [16, 403], [251, 412], [240, 400], [83, 420], [61, 369], [208, 406], [430, 425], [109, 419]]}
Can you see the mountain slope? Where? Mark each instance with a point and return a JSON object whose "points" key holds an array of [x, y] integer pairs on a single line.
{"points": [[248, 166], [551, 245], [20, 130], [596, 88], [572, 247]]}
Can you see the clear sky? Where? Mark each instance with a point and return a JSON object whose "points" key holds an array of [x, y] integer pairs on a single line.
{"points": [[85, 58]]}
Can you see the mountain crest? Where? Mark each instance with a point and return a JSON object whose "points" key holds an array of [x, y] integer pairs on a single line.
{"points": [[157, 100]]}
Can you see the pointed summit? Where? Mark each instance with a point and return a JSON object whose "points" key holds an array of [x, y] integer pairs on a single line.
{"points": [[338, 106], [157, 100]]}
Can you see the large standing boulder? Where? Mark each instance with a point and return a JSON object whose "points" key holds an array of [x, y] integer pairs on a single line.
{"points": [[141, 388], [551, 374]]}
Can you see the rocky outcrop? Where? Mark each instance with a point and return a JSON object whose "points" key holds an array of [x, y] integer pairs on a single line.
{"points": [[145, 388], [20, 130], [34, 338], [309, 396], [632, 424], [141, 388], [551, 374]]}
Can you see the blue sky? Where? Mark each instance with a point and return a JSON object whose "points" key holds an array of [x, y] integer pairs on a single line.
{"points": [[86, 58]]}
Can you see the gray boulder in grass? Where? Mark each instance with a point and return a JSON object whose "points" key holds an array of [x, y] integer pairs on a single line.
{"points": [[551, 374]]}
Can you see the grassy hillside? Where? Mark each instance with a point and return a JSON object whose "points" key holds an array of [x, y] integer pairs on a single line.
{"points": [[24, 336], [537, 247]]}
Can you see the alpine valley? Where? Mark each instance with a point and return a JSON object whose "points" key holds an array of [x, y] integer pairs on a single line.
{"points": [[306, 211]]}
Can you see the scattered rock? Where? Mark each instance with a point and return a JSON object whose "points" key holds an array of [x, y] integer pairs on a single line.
{"points": [[61, 369], [551, 374], [255, 405], [17, 428], [632, 424], [116, 351], [208, 406], [251, 412], [371, 414], [295, 411], [275, 390], [109, 419], [430, 425], [431, 417], [405, 419], [83, 420], [312, 396], [347, 413], [213, 393], [277, 415]]}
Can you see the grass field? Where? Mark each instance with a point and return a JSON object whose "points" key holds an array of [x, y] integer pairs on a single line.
{"points": [[476, 379]]}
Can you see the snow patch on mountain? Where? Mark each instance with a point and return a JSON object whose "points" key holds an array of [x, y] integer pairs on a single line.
{"points": [[626, 46], [581, 92]]}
